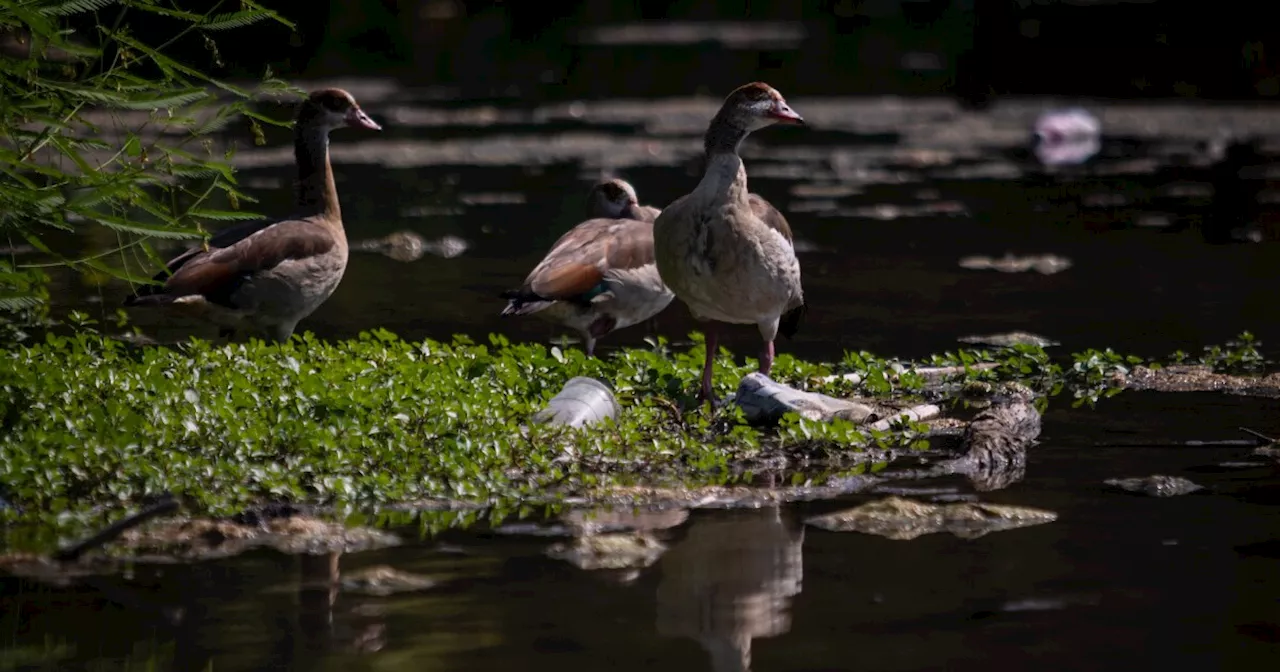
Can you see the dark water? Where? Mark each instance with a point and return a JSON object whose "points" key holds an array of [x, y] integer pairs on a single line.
{"points": [[885, 195], [1118, 582]]}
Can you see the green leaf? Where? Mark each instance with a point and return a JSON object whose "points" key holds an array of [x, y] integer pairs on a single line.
{"points": [[91, 196], [237, 19], [151, 7], [228, 215], [117, 273], [69, 7], [142, 228], [279, 123]]}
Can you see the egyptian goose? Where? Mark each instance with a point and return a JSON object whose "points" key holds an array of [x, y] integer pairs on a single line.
{"points": [[268, 274], [616, 199], [599, 276], [724, 252]]}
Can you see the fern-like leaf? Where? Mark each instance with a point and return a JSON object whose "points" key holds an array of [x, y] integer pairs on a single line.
{"points": [[164, 99], [71, 7], [141, 228], [236, 19], [13, 304], [222, 215]]}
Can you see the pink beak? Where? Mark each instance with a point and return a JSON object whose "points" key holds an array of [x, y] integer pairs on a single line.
{"points": [[356, 118], [785, 115]]}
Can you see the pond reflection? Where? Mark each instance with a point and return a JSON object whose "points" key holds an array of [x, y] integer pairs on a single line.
{"points": [[730, 581]]}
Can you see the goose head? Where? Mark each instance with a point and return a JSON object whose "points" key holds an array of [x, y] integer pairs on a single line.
{"points": [[757, 105], [328, 109], [612, 198]]}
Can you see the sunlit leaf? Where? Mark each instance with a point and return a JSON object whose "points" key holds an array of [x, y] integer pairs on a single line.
{"points": [[227, 215], [68, 7], [141, 228]]}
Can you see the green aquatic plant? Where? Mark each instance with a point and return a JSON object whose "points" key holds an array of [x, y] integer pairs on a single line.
{"points": [[1239, 355], [91, 422], [90, 425]]}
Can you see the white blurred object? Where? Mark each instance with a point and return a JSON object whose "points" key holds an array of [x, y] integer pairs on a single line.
{"points": [[1067, 137], [583, 401], [764, 399]]}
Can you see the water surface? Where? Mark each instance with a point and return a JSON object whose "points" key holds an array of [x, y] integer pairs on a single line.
{"points": [[1119, 582], [885, 196]]}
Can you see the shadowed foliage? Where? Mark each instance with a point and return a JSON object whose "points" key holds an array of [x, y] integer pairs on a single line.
{"points": [[101, 129]]}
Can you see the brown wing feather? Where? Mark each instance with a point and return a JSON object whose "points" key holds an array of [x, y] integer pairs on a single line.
{"points": [[233, 256], [566, 280], [769, 215], [579, 260], [631, 245], [790, 320]]}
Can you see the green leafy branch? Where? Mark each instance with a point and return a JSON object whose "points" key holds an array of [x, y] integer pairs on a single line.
{"points": [[103, 131]]}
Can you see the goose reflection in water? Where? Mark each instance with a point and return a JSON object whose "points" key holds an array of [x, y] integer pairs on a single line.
{"points": [[730, 581]]}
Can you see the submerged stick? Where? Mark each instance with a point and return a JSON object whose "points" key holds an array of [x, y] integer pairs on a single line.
{"points": [[1262, 438], [73, 552], [1259, 439], [1190, 443]]}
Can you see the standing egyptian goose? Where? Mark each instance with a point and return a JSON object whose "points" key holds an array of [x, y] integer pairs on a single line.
{"points": [[616, 199], [724, 252], [600, 275], [268, 274]]}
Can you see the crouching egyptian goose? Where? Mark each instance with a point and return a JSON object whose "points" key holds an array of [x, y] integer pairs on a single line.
{"points": [[267, 274], [599, 276], [724, 252], [616, 199]]}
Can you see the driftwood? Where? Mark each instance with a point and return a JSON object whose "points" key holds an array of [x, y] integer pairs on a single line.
{"points": [[995, 443], [903, 519], [72, 553], [290, 533], [1156, 485], [932, 374], [612, 550], [1047, 264], [1008, 339], [1198, 378]]}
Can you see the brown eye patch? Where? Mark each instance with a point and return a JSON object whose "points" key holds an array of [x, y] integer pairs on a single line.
{"points": [[758, 91], [333, 100]]}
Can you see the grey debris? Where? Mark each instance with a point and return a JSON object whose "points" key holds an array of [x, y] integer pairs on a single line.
{"points": [[1008, 339], [634, 550], [1157, 485], [902, 519], [765, 400]]}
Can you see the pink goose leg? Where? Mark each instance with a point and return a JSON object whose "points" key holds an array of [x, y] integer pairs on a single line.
{"points": [[766, 358]]}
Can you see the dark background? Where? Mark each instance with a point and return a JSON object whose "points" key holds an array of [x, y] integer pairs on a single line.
{"points": [[1183, 94], [972, 48]]}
